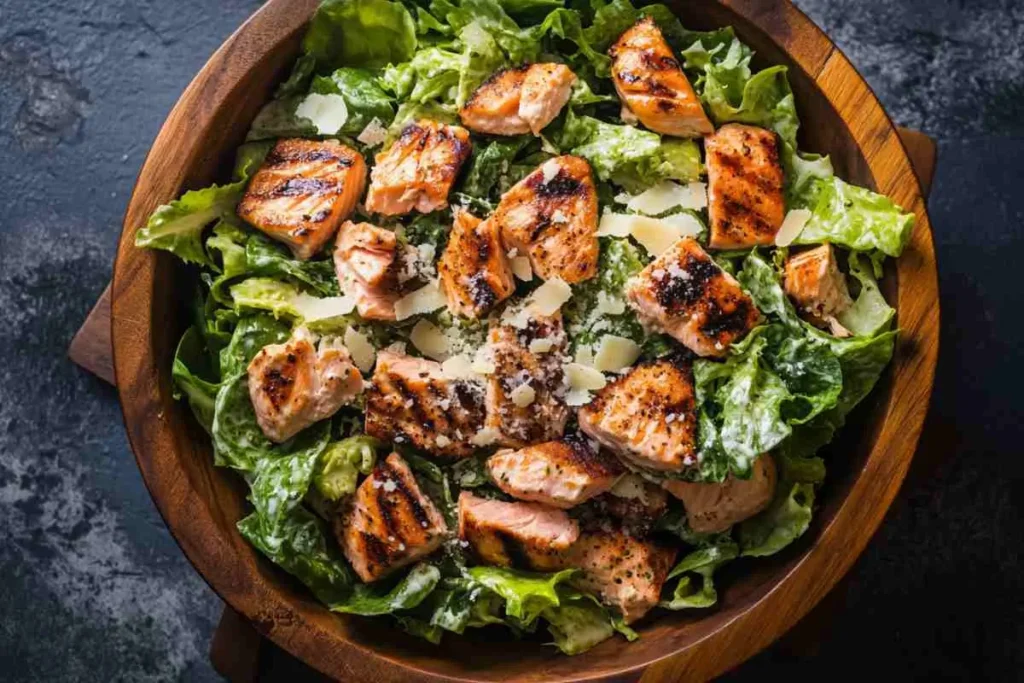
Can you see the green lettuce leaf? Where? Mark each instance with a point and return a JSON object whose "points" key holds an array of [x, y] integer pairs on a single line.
{"points": [[488, 166], [364, 98], [579, 622], [342, 461], [526, 594], [178, 226], [238, 441], [698, 567], [251, 334], [870, 313], [374, 599], [190, 361], [367, 34], [283, 479]]}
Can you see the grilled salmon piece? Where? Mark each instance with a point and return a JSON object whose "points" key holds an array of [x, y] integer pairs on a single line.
{"points": [[303, 191], [815, 284], [635, 502], [366, 263], [523, 404], [525, 535], [551, 217], [295, 384], [411, 401], [745, 202], [711, 508], [686, 294], [625, 572], [561, 473], [647, 416], [519, 99], [418, 170], [389, 523], [651, 83], [474, 271]]}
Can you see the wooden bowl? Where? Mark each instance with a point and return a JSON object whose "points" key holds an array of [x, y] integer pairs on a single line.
{"points": [[758, 601]]}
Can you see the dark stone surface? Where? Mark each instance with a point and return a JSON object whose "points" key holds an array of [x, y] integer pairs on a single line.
{"points": [[92, 587]]}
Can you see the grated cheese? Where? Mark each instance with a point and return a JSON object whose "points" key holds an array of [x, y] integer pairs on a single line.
{"points": [[424, 300], [359, 347], [791, 227], [550, 169], [429, 340], [483, 363]]}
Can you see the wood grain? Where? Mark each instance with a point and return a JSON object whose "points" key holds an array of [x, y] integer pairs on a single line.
{"points": [[91, 347], [758, 600]]}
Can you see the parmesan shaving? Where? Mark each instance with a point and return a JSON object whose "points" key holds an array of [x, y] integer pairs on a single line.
{"points": [[327, 113], [523, 395], [424, 300], [483, 364], [549, 297], [614, 224], [457, 367], [584, 377], [360, 348], [667, 195], [313, 308], [485, 437], [374, 133], [550, 169], [429, 340], [541, 345], [791, 227], [521, 268], [615, 353]]}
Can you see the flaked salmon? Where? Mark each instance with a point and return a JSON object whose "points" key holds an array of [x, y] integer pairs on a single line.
{"points": [[519, 100], [417, 172], [474, 271], [303, 191], [652, 85], [818, 288], [295, 384], [390, 522], [686, 294], [366, 263], [711, 507]]}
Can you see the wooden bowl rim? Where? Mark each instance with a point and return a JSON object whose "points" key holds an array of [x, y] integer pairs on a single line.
{"points": [[749, 630]]}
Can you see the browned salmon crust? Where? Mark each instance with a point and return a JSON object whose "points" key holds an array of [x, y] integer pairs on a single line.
{"points": [[474, 271], [303, 191], [647, 416], [418, 170], [561, 473], [493, 108], [625, 572], [652, 85], [411, 401], [525, 535], [818, 288], [745, 202], [515, 365], [686, 294], [366, 265], [551, 217], [711, 508], [390, 523]]}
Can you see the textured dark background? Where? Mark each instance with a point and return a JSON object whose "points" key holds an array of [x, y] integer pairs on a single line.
{"points": [[92, 587]]}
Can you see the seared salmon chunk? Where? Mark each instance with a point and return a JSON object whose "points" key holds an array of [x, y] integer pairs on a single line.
{"points": [[523, 404], [561, 473], [475, 273], [712, 507], [295, 384], [651, 83], [745, 202], [684, 293], [551, 217], [519, 100], [390, 522], [815, 284], [366, 263], [411, 401], [524, 535], [626, 573], [303, 191], [647, 416], [418, 170]]}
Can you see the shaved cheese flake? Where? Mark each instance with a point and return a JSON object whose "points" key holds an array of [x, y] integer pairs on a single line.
{"points": [[483, 362], [327, 113], [360, 348], [686, 223], [458, 367], [630, 486], [615, 353], [578, 397], [424, 300], [429, 340], [442, 441], [521, 268], [614, 224], [523, 395], [485, 437], [791, 227], [584, 355], [313, 308], [584, 377], [654, 235], [550, 169], [541, 345], [374, 133], [549, 297]]}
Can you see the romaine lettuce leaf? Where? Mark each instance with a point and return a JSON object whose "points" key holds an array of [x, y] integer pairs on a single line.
{"points": [[489, 165], [699, 567], [298, 544], [526, 594], [190, 361], [251, 334], [178, 226], [367, 34], [374, 599], [282, 480], [580, 622], [339, 467], [364, 98]]}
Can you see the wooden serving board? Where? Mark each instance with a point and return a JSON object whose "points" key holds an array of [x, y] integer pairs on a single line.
{"points": [[242, 655]]}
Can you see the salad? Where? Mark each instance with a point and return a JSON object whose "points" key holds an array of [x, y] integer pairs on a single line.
{"points": [[527, 313]]}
